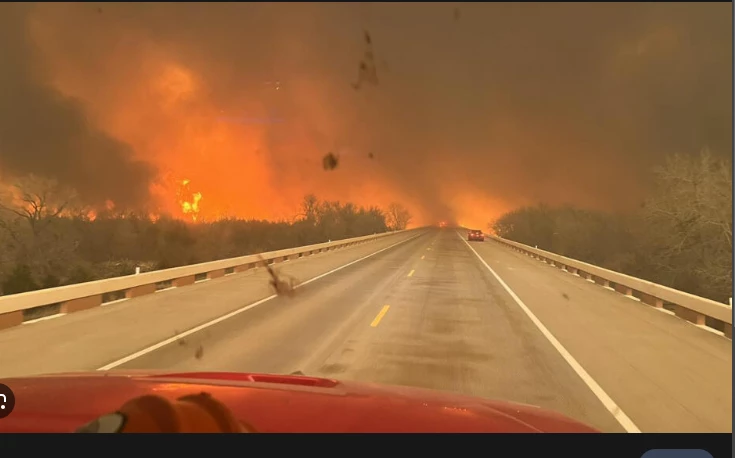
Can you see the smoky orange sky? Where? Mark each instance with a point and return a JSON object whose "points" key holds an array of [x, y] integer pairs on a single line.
{"points": [[478, 108]]}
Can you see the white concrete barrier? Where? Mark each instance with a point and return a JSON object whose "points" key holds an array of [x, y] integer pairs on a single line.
{"points": [[18, 308], [687, 306]]}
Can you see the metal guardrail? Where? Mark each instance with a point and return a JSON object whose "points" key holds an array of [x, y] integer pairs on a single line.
{"points": [[698, 310], [16, 309]]}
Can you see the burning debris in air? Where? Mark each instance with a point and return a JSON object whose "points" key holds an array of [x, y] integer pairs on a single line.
{"points": [[367, 71], [283, 285], [330, 161]]}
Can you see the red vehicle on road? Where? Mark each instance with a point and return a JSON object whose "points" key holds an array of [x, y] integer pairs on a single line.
{"points": [[475, 235], [242, 402]]}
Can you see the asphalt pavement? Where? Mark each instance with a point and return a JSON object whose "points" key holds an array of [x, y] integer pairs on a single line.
{"points": [[95, 338], [425, 313], [424, 309]]}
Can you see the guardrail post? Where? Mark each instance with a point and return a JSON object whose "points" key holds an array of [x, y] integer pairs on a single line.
{"points": [[140, 290], [216, 273], [653, 301], [622, 289], [698, 310], [83, 303], [183, 281], [690, 315], [88, 295], [11, 319]]}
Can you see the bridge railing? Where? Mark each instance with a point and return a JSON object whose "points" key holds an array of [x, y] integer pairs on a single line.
{"points": [[698, 310], [16, 309]]}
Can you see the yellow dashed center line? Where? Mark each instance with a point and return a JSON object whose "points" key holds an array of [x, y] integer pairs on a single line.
{"points": [[423, 256], [410, 274], [380, 316]]}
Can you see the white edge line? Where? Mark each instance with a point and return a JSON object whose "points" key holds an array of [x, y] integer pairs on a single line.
{"points": [[663, 310], [44, 318], [610, 288], [704, 327], [173, 339], [168, 288], [116, 301], [597, 390]]}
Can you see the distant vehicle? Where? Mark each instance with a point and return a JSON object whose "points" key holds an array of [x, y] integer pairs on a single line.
{"points": [[475, 235], [443, 224], [210, 402]]}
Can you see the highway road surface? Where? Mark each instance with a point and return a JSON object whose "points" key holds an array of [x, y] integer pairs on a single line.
{"points": [[424, 309]]}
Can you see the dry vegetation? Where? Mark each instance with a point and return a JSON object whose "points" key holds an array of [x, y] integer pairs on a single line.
{"points": [[47, 240], [680, 237]]}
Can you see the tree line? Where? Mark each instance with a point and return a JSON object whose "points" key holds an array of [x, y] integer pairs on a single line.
{"points": [[681, 236], [47, 239]]}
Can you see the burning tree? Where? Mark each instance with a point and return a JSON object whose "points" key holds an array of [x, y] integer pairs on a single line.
{"points": [[397, 217], [189, 200]]}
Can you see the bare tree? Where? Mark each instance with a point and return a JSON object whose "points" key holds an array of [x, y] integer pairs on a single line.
{"points": [[397, 217], [689, 221], [310, 209], [42, 241], [38, 200]]}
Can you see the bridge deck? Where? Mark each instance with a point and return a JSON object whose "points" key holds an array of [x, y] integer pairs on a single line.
{"points": [[449, 324]]}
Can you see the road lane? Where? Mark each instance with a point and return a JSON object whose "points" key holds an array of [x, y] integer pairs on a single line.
{"points": [[92, 338], [665, 373], [448, 325], [286, 334], [425, 313]]}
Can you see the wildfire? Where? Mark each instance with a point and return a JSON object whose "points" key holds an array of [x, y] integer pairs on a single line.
{"points": [[189, 200]]}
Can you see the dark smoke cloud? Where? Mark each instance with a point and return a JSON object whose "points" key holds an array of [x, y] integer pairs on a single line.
{"points": [[520, 102], [46, 133]]}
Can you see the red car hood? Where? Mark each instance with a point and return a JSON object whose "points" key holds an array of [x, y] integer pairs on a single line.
{"points": [[274, 403]]}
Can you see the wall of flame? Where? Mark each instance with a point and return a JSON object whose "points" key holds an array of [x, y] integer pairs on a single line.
{"points": [[210, 167]]}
